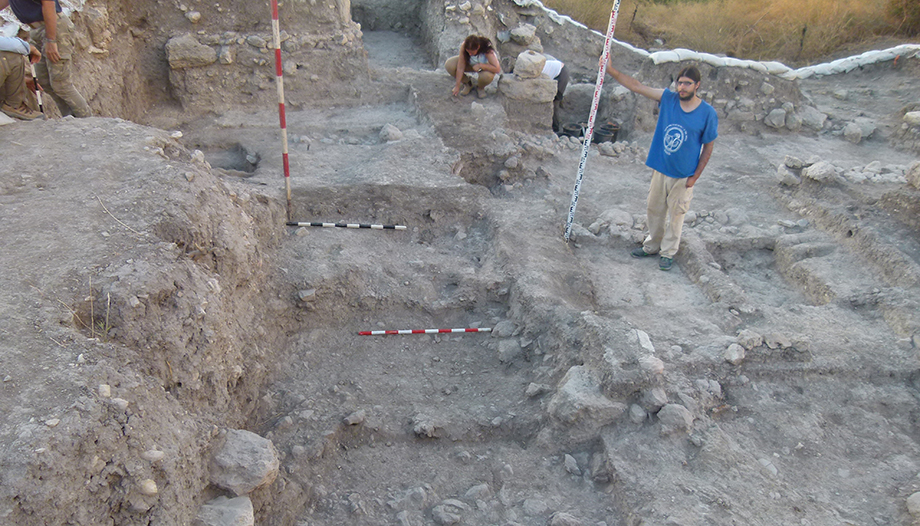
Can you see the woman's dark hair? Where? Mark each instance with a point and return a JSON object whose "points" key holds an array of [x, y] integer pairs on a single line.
{"points": [[691, 73], [483, 44]]}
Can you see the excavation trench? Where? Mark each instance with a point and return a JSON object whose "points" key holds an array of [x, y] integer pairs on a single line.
{"points": [[205, 314], [376, 426]]}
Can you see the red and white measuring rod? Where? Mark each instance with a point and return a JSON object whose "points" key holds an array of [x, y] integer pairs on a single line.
{"points": [[589, 132], [349, 225], [279, 73], [420, 331]]}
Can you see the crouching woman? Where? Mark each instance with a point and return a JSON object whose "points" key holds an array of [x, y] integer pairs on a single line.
{"points": [[475, 67]]}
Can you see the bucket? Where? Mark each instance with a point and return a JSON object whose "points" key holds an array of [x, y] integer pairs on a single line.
{"points": [[606, 132], [572, 130]]}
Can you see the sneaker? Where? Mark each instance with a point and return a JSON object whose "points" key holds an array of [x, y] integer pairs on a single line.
{"points": [[466, 89], [640, 253], [23, 112], [665, 263]]}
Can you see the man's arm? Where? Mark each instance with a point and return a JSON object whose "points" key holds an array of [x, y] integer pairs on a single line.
{"points": [[705, 154], [49, 15], [15, 45], [34, 54], [634, 85]]}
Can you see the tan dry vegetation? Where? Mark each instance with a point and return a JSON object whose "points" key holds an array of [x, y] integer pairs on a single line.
{"points": [[796, 32]]}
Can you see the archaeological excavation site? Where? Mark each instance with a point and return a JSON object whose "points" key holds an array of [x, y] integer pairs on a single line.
{"points": [[174, 351]]}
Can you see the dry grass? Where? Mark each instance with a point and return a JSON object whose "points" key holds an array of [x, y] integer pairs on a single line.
{"points": [[793, 31]]}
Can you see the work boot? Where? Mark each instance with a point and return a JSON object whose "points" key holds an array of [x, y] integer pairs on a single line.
{"points": [[640, 253], [665, 263], [23, 112], [466, 89]]}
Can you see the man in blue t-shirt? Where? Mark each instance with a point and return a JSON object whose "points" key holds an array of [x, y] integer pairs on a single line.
{"points": [[686, 131]]}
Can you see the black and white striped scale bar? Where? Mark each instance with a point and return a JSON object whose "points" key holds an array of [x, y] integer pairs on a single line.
{"points": [[420, 331], [349, 225]]}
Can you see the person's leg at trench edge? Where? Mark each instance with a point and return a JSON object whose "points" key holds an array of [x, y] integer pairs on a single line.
{"points": [[668, 202]]}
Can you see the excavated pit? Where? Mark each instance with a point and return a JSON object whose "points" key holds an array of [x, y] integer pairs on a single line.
{"points": [[233, 158]]}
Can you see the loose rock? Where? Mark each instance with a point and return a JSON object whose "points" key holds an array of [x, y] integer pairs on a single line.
{"points": [[226, 512], [355, 418], [244, 462], [571, 465], [674, 418], [734, 354], [636, 414], [654, 399], [913, 505]]}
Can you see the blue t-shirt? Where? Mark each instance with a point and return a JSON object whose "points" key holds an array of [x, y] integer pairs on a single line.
{"points": [[680, 136], [28, 11]]}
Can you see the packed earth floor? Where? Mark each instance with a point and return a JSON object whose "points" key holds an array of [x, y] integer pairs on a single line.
{"points": [[158, 264]]}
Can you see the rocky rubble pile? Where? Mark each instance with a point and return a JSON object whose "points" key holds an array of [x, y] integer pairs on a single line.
{"points": [[793, 170], [908, 134]]}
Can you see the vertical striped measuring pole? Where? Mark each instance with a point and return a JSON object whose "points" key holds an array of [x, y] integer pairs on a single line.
{"points": [[278, 72], [38, 92], [589, 132]]}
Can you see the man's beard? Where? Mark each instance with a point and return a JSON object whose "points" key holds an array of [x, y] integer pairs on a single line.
{"points": [[687, 97]]}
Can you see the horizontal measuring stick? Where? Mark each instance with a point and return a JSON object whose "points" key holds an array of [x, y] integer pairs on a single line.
{"points": [[349, 225], [420, 331]]}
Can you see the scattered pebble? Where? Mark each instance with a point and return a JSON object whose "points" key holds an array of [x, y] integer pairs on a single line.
{"points": [[355, 418], [148, 487], [767, 467], [636, 414], [651, 364], [153, 455], [571, 465], [734, 354]]}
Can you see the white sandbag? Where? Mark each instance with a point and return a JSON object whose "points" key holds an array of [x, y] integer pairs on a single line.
{"points": [[802, 73], [776, 68], [734, 62], [845, 65], [870, 57], [823, 69], [885, 54], [686, 54], [712, 60], [662, 57]]}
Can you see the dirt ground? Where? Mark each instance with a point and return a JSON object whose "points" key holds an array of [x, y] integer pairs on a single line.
{"points": [[133, 262]]}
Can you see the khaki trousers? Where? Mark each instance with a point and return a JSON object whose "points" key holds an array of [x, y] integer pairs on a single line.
{"points": [[12, 79], [668, 198], [484, 77], [57, 78]]}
